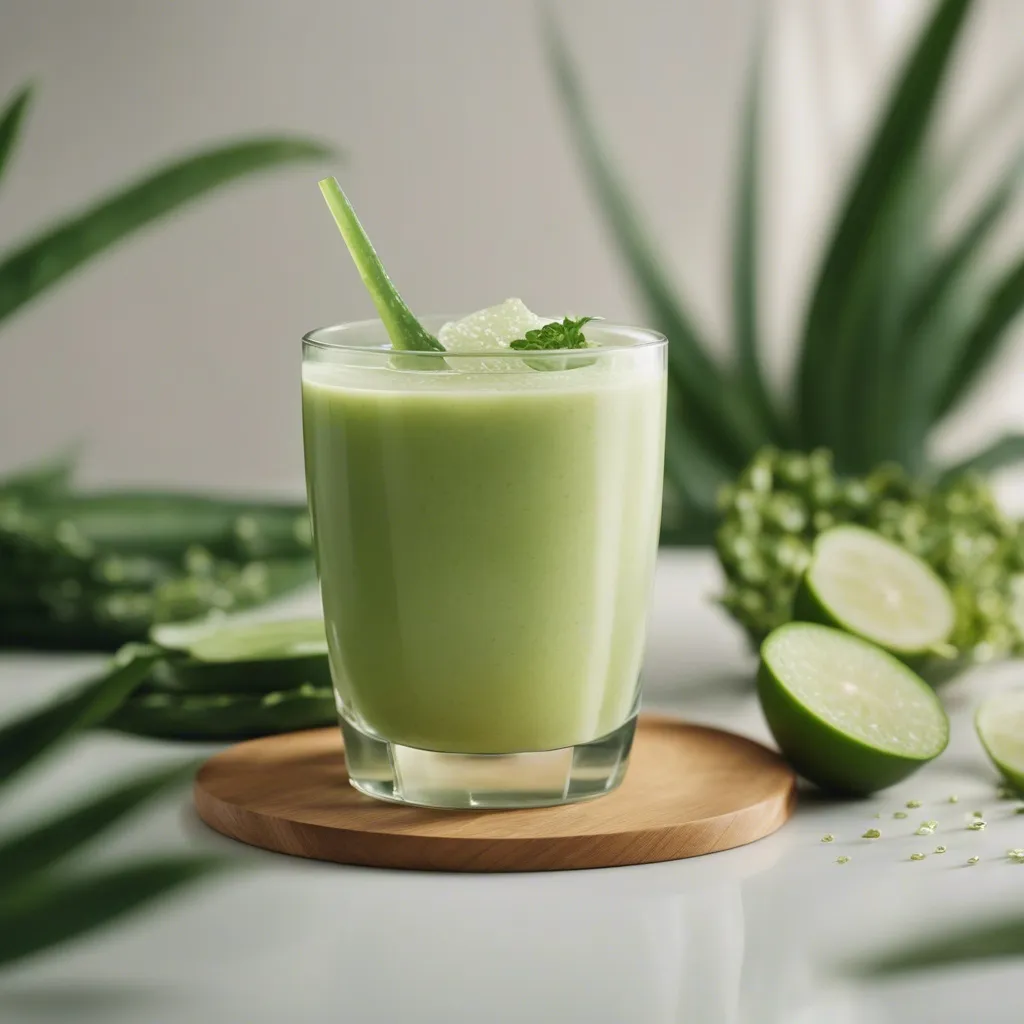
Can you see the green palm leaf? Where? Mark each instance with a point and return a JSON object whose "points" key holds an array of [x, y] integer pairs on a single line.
{"points": [[44, 260], [830, 336], [56, 839], [35, 734], [10, 124], [51, 909], [1004, 451], [872, 354], [975, 349], [45, 479], [745, 263], [980, 942], [937, 325], [709, 406]]}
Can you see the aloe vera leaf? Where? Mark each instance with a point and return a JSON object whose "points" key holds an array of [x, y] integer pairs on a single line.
{"points": [[870, 348], [961, 945], [1004, 451], [52, 909], [694, 474], [47, 478], [1002, 102], [29, 737], [187, 675], [405, 331], [711, 407], [225, 716], [10, 124], [937, 321], [166, 524], [42, 261], [868, 204], [63, 833], [745, 261], [977, 346]]}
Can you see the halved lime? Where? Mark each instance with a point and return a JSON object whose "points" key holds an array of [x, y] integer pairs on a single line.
{"points": [[1000, 725], [865, 584], [224, 656], [850, 717]]}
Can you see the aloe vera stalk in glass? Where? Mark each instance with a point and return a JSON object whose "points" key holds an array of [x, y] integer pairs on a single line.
{"points": [[485, 515]]}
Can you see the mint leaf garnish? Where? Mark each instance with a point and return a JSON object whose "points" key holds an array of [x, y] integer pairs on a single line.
{"points": [[567, 334]]}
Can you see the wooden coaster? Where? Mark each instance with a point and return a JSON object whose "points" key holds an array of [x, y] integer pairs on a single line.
{"points": [[689, 790]]}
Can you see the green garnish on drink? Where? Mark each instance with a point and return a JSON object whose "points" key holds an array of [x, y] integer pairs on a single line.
{"points": [[407, 334], [567, 334], [404, 330]]}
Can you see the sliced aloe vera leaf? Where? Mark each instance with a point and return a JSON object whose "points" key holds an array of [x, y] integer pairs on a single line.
{"points": [[226, 716], [865, 584], [405, 331], [850, 717], [219, 655]]}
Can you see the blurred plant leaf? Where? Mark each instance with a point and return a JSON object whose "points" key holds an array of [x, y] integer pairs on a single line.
{"points": [[980, 942], [167, 523], [709, 405], [745, 259], [52, 909], [869, 345], [936, 323], [10, 124], [694, 474], [976, 347], [46, 259], [38, 732], [870, 201], [40, 847], [46, 478], [1003, 101], [1004, 451]]}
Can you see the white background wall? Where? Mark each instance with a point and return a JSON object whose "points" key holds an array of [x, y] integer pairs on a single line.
{"points": [[176, 358]]}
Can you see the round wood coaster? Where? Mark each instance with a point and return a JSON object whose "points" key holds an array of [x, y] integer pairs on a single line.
{"points": [[689, 790]]}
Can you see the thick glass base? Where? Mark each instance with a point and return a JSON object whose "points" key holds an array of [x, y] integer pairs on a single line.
{"points": [[428, 778]]}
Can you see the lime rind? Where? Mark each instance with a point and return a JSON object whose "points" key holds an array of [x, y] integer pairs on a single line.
{"points": [[867, 585], [999, 722], [849, 716]]}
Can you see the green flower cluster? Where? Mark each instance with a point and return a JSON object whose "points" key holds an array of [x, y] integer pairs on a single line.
{"points": [[783, 500]]}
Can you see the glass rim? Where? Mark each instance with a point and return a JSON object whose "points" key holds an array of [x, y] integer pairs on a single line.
{"points": [[646, 338]]}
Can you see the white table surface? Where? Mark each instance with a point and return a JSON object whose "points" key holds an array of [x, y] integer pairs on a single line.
{"points": [[749, 935]]}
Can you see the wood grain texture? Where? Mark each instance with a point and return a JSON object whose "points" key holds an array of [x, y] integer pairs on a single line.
{"points": [[689, 790]]}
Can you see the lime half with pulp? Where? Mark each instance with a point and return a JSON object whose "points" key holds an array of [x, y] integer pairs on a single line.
{"points": [[242, 657], [865, 584], [1000, 725], [848, 716]]}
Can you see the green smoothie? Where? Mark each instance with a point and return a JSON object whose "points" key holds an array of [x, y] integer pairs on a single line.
{"points": [[486, 545]]}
